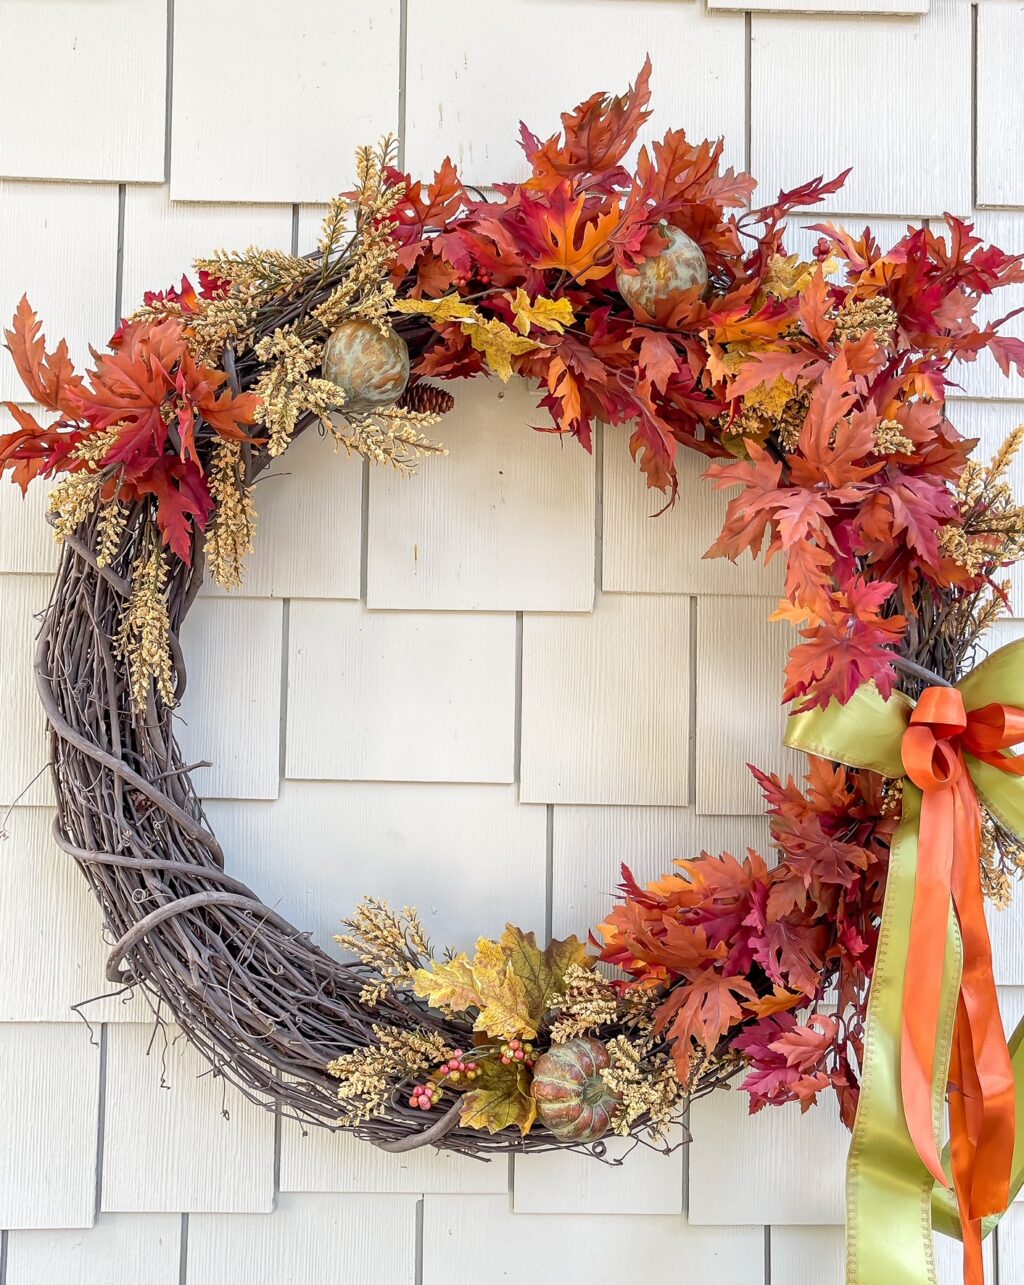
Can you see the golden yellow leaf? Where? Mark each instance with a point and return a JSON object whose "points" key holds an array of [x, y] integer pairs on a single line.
{"points": [[486, 983], [448, 308], [499, 1099], [511, 983], [502, 999], [498, 343], [771, 398], [543, 313], [450, 986]]}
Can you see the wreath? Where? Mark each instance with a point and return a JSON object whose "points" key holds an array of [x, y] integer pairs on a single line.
{"points": [[660, 300]]}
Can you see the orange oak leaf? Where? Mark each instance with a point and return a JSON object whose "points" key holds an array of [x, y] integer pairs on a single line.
{"points": [[569, 244], [779, 1001], [49, 377], [33, 449], [598, 133]]}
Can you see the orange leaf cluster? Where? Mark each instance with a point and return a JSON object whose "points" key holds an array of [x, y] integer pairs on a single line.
{"points": [[857, 351], [148, 391], [738, 946]]}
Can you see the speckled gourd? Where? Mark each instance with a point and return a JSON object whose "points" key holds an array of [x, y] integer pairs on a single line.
{"points": [[679, 266], [572, 1099], [371, 367]]}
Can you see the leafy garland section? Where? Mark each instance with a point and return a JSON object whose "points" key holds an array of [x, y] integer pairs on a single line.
{"points": [[634, 298]]}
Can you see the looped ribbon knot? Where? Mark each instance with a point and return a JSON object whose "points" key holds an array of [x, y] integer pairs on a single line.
{"points": [[934, 1036]]}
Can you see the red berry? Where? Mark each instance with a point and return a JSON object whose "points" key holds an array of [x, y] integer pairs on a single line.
{"points": [[424, 1104], [515, 1044], [505, 1060], [457, 1054], [520, 1055], [471, 1066]]}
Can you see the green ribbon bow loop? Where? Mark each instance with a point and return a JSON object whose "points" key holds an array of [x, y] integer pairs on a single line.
{"points": [[893, 1201]]}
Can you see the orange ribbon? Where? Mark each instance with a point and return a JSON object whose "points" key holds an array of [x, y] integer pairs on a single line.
{"points": [[981, 1091]]}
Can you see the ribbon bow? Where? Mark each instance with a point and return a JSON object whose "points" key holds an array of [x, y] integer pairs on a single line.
{"points": [[933, 1017]]}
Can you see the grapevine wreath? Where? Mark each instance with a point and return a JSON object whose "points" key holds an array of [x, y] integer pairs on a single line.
{"points": [[663, 301]]}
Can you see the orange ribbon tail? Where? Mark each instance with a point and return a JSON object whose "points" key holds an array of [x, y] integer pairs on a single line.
{"points": [[981, 1088]]}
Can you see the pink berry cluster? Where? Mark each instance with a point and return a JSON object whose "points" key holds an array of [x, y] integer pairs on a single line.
{"points": [[455, 1068], [517, 1051], [425, 1096]]}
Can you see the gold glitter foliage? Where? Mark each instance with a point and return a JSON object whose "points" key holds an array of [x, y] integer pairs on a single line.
{"points": [[143, 639], [390, 944], [229, 537], [857, 316], [370, 1076]]}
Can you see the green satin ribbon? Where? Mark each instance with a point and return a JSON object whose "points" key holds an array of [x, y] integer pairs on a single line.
{"points": [[892, 1202]]}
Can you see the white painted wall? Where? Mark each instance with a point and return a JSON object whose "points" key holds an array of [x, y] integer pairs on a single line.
{"points": [[535, 651]]}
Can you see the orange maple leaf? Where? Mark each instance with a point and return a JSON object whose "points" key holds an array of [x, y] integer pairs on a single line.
{"points": [[701, 1008]]}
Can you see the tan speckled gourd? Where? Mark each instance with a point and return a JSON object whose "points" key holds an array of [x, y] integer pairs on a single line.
{"points": [[371, 367], [679, 266]]}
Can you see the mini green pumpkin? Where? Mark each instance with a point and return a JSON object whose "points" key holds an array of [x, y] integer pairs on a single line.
{"points": [[573, 1101]]}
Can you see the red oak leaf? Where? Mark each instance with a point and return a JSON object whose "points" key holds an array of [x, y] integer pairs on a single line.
{"points": [[805, 1046]]}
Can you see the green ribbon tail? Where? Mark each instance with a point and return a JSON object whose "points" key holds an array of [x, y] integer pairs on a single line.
{"points": [[888, 1189]]}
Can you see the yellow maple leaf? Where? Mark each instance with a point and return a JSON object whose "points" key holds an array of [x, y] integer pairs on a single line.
{"points": [[498, 343], [543, 313], [511, 983], [501, 995], [448, 308], [541, 972], [487, 983]]}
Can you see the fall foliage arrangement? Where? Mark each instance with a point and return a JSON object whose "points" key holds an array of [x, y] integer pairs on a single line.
{"points": [[662, 301]]}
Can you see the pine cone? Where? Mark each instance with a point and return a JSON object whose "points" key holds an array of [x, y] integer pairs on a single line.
{"points": [[427, 398]]}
